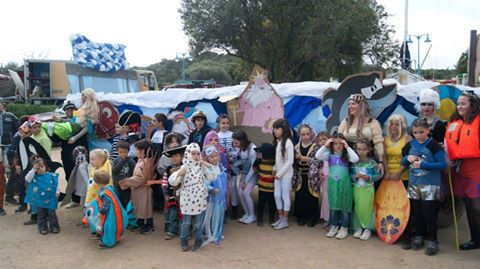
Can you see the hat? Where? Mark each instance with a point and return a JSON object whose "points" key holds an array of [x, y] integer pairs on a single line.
{"points": [[209, 150], [170, 152], [68, 106], [34, 119], [199, 114], [267, 150]]}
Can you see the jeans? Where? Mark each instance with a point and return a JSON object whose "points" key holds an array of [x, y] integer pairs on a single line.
{"points": [[172, 218], [45, 217], [339, 218], [187, 221]]}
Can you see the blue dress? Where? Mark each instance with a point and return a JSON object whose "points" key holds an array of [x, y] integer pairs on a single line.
{"points": [[217, 204]]}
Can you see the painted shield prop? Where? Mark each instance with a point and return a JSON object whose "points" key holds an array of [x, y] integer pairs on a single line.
{"points": [[363, 198], [28, 147], [393, 210], [108, 117]]}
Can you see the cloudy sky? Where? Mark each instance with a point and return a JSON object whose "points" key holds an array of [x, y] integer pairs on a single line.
{"points": [[152, 30]]}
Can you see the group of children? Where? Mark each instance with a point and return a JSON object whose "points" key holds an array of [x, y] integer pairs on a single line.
{"points": [[218, 169]]}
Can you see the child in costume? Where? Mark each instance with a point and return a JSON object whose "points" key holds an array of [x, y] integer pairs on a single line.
{"points": [[199, 119], [42, 193], [78, 182], [122, 167], [340, 192], [264, 168], [243, 169], [225, 139], [212, 139], [306, 181], [217, 199], [159, 121], [193, 193], [322, 170], [98, 161], [39, 134], [121, 135], [426, 160], [283, 171], [172, 212], [364, 173], [105, 215], [141, 192]]}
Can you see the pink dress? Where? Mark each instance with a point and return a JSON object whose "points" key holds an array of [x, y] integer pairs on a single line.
{"points": [[324, 210]]}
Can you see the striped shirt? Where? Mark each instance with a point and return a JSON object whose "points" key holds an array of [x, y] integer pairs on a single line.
{"points": [[265, 181]]}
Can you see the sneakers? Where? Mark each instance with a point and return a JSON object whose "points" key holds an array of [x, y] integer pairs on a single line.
{"points": [[357, 233], [242, 219], [2, 212], [283, 224], [55, 230], [169, 236], [260, 223], [43, 231], [418, 243], [147, 229], [184, 245], [249, 220], [469, 246], [342, 234], [21, 208], [333, 231], [366, 235], [276, 222], [72, 205], [30, 222], [197, 245], [431, 248]]}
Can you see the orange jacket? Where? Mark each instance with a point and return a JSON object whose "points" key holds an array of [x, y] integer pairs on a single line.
{"points": [[463, 140]]}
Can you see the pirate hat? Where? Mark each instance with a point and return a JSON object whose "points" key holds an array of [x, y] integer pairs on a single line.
{"points": [[170, 152]]}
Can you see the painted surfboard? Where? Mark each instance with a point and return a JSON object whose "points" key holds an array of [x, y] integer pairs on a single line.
{"points": [[392, 210]]}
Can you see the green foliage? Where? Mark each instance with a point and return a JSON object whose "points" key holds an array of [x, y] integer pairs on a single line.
{"points": [[295, 40], [27, 109]]}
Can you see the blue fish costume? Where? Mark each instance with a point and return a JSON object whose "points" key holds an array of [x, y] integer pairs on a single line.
{"points": [[113, 223], [41, 191]]}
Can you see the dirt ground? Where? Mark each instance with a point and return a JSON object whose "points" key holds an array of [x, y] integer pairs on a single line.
{"points": [[244, 246]]}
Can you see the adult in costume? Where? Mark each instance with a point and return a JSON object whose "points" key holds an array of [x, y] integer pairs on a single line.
{"points": [[87, 117], [361, 124], [463, 146], [428, 102]]}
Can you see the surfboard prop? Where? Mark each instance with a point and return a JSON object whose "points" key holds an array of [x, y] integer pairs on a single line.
{"points": [[392, 210]]}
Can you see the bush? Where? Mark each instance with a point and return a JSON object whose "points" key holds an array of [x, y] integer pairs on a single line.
{"points": [[28, 109]]}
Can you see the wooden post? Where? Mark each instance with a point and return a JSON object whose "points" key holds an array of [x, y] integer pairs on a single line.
{"points": [[472, 59]]}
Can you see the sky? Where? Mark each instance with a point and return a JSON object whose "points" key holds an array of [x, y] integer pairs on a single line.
{"points": [[152, 30]]}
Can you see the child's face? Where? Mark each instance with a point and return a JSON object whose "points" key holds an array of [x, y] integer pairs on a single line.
{"points": [[213, 141], [322, 140], [214, 158], [35, 130], [122, 130], [173, 144], [224, 124], [96, 161], [140, 153], [236, 143], [305, 135], [420, 133], [122, 153], [362, 150], [176, 159], [157, 124], [338, 145], [196, 156], [278, 132], [199, 123], [41, 169]]}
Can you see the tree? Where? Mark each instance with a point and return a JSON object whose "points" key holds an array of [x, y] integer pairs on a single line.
{"points": [[293, 39], [209, 69], [462, 63]]}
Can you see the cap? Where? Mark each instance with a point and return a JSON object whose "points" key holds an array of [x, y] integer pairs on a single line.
{"points": [[199, 114], [68, 106]]}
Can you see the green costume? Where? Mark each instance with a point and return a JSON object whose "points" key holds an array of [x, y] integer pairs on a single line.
{"points": [[364, 194]]}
